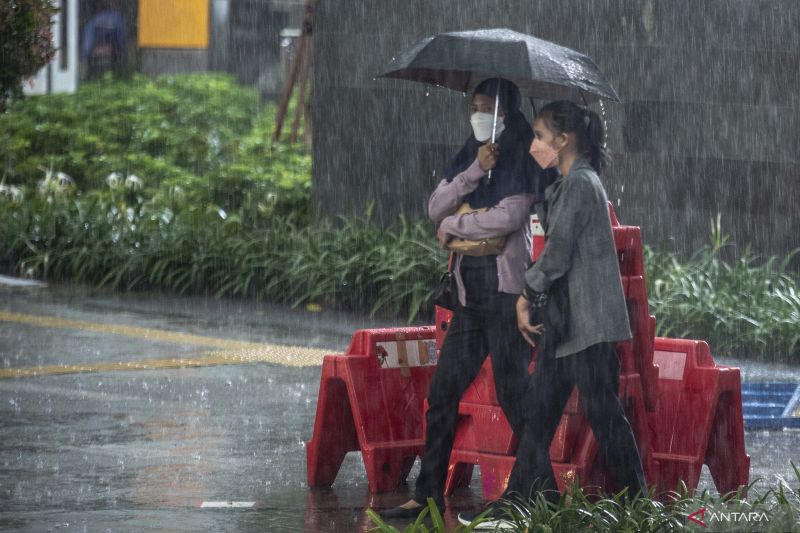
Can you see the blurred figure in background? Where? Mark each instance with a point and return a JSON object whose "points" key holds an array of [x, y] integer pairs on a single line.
{"points": [[104, 42]]}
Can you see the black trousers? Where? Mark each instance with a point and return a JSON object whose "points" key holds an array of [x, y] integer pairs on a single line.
{"points": [[595, 371], [487, 324]]}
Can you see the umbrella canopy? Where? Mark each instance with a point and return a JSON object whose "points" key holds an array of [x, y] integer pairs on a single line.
{"points": [[541, 69]]}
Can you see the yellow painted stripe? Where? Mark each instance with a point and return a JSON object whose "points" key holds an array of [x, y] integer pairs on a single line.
{"points": [[150, 334], [100, 367], [295, 358], [230, 351]]}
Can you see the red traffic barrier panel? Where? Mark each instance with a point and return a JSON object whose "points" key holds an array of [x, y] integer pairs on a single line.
{"points": [[699, 418], [628, 242], [484, 438], [372, 399], [698, 421], [442, 318], [636, 354]]}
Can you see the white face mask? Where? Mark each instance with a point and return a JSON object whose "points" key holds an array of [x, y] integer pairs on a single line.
{"points": [[482, 126]]}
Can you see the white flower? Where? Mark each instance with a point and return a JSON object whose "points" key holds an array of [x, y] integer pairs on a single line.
{"points": [[176, 194], [16, 194], [55, 182], [64, 180], [113, 180], [133, 182], [13, 193]]}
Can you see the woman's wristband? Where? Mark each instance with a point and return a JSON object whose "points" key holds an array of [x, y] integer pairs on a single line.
{"points": [[536, 298]]}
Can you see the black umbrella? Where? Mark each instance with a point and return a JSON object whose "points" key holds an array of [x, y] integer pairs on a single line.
{"points": [[541, 69]]}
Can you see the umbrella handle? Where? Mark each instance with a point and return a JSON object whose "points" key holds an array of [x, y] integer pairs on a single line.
{"points": [[494, 122]]}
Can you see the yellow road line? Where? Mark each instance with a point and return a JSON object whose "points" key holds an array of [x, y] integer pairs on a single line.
{"points": [[231, 351], [100, 367], [158, 335], [296, 358]]}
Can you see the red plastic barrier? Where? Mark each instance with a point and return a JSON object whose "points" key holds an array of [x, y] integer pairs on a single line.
{"points": [[684, 410], [636, 354], [484, 438], [699, 418], [371, 399], [442, 322]]}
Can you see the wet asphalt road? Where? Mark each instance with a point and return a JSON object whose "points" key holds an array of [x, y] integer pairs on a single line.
{"points": [[107, 449]]}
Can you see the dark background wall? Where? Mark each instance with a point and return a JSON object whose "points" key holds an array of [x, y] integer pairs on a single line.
{"points": [[710, 121], [246, 39]]}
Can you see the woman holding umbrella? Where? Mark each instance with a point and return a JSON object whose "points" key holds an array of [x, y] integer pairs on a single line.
{"points": [[488, 285], [578, 274]]}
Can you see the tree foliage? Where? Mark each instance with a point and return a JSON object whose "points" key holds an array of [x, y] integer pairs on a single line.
{"points": [[26, 43]]}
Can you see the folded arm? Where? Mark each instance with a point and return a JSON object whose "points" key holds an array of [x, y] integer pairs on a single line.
{"points": [[509, 215], [448, 196]]}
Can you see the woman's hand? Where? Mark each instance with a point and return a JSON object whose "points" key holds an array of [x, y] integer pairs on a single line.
{"points": [[487, 156], [443, 238], [524, 321]]}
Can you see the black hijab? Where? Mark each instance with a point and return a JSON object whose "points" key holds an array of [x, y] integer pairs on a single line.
{"points": [[516, 172]]}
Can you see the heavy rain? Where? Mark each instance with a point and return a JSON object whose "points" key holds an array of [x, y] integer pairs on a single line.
{"points": [[277, 265]]}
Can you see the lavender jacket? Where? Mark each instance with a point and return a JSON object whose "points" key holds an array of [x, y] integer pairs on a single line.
{"points": [[509, 217]]}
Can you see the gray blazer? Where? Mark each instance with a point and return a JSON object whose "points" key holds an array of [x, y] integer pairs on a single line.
{"points": [[580, 246]]}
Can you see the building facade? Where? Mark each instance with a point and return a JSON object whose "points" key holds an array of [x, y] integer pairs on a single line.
{"points": [[709, 123]]}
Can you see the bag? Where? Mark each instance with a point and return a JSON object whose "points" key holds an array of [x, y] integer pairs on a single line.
{"points": [[489, 246], [555, 317], [446, 294]]}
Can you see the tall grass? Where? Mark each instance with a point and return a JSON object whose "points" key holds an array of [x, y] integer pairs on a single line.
{"points": [[776, 510], [748, 307], [108, 240]]}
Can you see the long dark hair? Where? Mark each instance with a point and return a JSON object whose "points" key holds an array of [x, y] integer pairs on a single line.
{"points": [[563, 116]]}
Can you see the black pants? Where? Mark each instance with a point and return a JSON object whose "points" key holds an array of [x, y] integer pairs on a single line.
{"points": [[595, 371], [487, 324]]}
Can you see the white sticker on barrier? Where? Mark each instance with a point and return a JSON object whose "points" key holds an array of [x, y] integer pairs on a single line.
{"points": [[411, 353], [537, 237], [536, 227], [670, 364]]}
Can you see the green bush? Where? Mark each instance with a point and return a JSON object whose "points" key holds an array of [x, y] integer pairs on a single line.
{"points": [[748, 308], [202, 133], [174, 184]]}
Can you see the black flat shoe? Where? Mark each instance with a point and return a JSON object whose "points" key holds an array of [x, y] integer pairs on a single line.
{"points": [[408, 514], [401, 512]]}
